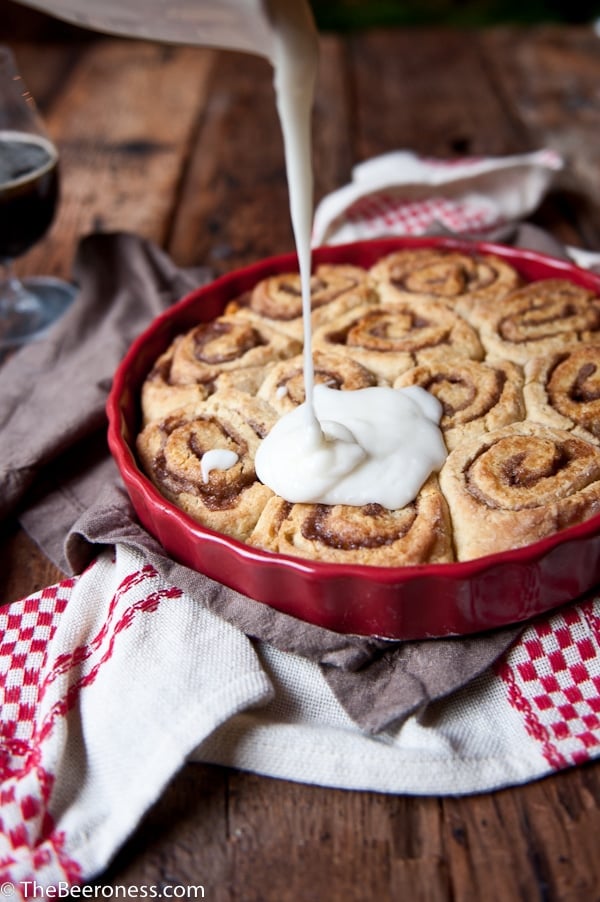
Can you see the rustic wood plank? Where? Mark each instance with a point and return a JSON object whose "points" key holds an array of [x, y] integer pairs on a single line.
{"points": [[528, 843], [334, 153], [284, 841], [233, 203], [549, 77], [23, 568], [183, 840], [46, 81], [428, 91], [123, 124]]}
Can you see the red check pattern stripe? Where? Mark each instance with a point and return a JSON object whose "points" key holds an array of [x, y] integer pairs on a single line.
{"points": [[552, 678], [387, 212], [40, 683], [27, 628]]}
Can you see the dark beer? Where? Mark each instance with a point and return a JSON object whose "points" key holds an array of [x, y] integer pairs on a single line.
{"points": [[28, 191]]}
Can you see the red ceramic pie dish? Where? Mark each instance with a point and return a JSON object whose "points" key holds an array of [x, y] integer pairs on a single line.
{"points": [[417, 602]]}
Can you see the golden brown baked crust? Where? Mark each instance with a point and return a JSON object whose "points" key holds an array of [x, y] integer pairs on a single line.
{"points": [[171, 451], [476, 396], [225, 353], [416, 534], [277, 300], [456, 279], [518, 484], [563, 390], [160, 396], [541, 318], [391, 338], [226, 344]]}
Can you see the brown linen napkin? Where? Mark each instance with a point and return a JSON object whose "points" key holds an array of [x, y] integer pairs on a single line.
{"points": [[56, 474]]}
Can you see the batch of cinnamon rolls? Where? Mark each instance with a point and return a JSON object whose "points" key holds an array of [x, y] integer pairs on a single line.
{"points": [[515, 366]]}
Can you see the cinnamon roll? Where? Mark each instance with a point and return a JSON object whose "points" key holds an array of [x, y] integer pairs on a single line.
{"points": [[372, 535], [283, 386], [389, 339], [456, 279], [475, 396], [277, 300], [518, 484], [563, 390], [224, 345], [201, 458], [541, 318], [159, 396]]}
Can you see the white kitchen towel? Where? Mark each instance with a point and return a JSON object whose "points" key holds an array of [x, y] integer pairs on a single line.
{"points": [[401, 193], [78, 773]]}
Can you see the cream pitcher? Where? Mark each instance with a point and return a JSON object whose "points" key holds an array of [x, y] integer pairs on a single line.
{"points": [[246, 25]]}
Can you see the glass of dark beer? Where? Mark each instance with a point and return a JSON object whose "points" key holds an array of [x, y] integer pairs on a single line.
{"points": [[29, 190]]}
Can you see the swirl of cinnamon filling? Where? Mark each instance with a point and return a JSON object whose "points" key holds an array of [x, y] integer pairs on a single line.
{"points": [[518, 484], [371, 535], [476, 397], [542, 318], [280, 297], [443, 275], [173, 452], [225, 344], [563, 390], [283, 386], [277, 300], [390, 339]]}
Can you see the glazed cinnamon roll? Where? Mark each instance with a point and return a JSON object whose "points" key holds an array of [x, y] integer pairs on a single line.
{"points": [[389, 339], [371, 535], [201, 458], [541, 318], [563, 390], [516, 485], [283, 386], [475, 396], [277, 300], [450, 277]]}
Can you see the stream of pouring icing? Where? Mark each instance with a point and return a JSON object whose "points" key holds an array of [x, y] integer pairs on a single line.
{"points": [[375, 445], [295, 62]]}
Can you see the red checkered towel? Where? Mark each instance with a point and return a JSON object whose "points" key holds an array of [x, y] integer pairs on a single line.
{"points": [[401, 193], [89, 736], [108, 681]]}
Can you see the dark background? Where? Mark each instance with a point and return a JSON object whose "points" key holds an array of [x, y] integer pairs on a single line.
{"points": [[344, 15]]}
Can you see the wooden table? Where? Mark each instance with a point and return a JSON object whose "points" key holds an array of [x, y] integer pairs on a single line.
{"points": [[183, 146]]}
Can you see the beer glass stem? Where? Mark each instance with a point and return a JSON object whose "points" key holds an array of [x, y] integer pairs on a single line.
{"points": [[20, 310]]}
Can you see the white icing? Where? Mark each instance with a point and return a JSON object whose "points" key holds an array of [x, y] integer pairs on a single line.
{"points": [[217, 459], [295, 61], [374, 445]]}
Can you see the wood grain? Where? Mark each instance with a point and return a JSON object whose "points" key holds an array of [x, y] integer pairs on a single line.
{"points": [[184, 146], [258, 839]]}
